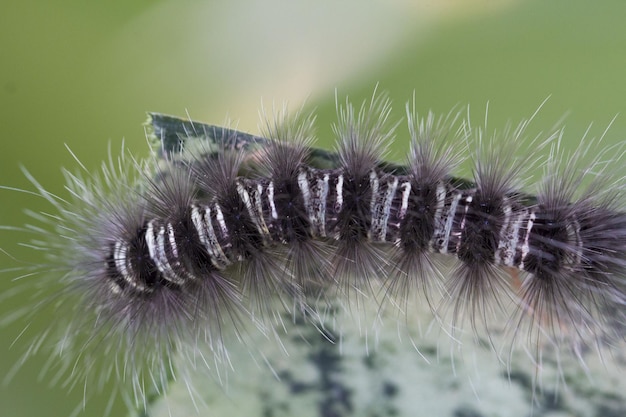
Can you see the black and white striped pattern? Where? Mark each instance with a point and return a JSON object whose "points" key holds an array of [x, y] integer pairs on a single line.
{"points": [[499, 232]]}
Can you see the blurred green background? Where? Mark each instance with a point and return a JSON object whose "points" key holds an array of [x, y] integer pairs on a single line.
{"points": [[84, 74]]}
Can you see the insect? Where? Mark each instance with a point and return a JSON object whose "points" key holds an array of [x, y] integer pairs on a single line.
{"points": [[222, 231]]}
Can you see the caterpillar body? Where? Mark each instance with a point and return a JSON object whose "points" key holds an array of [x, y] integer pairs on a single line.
{"points": [[224, 228]]}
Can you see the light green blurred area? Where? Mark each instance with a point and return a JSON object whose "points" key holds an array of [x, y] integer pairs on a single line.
{"points": [[84, 74]]}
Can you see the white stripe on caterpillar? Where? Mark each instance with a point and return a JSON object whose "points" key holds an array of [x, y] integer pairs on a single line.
{"points": [[526, 245]]}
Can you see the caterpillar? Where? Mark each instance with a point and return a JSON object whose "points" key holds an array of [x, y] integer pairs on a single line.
{"points": [[222, 230]]}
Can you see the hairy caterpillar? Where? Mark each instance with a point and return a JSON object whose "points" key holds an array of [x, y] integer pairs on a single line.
{"points": [[180, 254]]}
